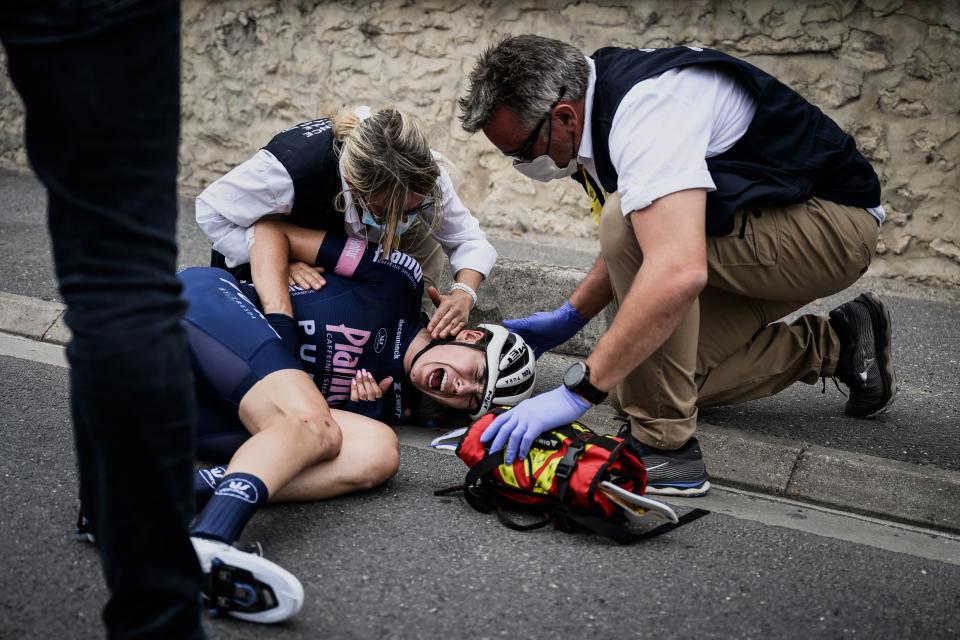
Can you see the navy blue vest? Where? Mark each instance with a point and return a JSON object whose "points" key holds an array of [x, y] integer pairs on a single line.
{"points": [[790, 153], [308, 152]]}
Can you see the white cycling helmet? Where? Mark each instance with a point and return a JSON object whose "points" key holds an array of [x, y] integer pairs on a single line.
{"points": [[511, 366], [511, 369]]}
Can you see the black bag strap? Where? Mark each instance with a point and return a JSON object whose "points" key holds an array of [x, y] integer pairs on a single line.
{"points": [[506, 521], [687, 518], [486, 465], [563, 472], [603, 527], [482, 468], [623, 535], [565, 468], [485, 505]]}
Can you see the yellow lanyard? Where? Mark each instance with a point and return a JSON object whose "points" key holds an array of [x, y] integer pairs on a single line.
{"points": [[596, 200]]}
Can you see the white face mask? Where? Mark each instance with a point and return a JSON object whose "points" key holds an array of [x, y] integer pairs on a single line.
{"points": [[544, 169]]}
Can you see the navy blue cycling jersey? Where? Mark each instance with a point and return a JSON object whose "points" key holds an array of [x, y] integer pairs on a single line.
{"points": [[363, 318]]}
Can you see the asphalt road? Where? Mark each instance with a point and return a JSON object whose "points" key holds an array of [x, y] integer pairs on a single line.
{"points": [[398, 562]]}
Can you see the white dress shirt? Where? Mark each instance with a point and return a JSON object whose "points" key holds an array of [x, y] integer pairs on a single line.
{"points": [[666, 127]]}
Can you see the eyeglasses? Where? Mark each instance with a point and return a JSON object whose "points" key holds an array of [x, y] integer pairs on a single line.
{"points": [[420, 208], [522, 153]]}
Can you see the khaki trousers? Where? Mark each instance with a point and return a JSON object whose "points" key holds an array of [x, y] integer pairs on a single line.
{"points": [[418, 243], [729, 347]]}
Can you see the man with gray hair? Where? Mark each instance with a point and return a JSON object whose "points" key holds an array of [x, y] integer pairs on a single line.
{"points": [[725, 202]]}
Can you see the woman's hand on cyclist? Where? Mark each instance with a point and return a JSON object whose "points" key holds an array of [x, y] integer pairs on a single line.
{"points": [[306, 276], [453, 311]]}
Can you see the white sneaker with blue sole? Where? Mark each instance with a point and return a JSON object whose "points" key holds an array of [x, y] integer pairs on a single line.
{"points": [[245, 585]]}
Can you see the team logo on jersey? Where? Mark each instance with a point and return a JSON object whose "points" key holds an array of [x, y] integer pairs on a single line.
{"points": [[397, 399], [381, 340], [404, 263], [238, 489], [396, 340]]}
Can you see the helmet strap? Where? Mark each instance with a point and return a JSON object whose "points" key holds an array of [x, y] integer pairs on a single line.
{"points": [[430, 345]]}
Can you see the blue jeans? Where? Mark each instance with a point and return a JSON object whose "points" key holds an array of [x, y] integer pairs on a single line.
{"points": [[100, 84]]}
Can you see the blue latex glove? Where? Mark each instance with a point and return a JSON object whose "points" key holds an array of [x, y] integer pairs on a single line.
{"points": [[523, 424], [544, 330]]}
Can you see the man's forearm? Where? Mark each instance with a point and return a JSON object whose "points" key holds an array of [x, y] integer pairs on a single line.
{"points": [[594, 291], [658, 300]]}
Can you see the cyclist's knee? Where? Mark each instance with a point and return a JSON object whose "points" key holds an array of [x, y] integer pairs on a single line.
{"points": [[382, 461], [320, 432]]}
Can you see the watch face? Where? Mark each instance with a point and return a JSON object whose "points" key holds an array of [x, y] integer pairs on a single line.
{"points": [[574, 375]]}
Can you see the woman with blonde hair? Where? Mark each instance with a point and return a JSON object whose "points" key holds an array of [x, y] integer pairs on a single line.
{"points": [[370, 175]]}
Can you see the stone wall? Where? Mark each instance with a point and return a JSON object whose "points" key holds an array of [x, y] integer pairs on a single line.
{"points": [[886, 70]]}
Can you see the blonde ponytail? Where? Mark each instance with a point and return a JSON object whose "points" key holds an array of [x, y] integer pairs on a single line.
{"points": [[345, 121]]}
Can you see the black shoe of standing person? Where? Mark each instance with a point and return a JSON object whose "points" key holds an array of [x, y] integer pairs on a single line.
{"points": [[84, 531], [866, 362]]}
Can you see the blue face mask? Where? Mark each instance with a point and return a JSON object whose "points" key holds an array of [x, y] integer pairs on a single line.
{"points": [[402, 226], [406, 221]]}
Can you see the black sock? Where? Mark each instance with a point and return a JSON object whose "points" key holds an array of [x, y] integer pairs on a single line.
{"points": [[235, 500]]}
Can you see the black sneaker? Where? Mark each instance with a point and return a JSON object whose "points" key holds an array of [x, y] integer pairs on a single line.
{"points": [[679, 472], [866, 363]]}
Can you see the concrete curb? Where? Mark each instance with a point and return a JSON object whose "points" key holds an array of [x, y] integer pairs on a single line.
{"points": [[878, 486], [33, 318]]}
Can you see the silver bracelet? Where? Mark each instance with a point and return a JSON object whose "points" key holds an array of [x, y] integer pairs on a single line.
{"points": [[466, 289]]}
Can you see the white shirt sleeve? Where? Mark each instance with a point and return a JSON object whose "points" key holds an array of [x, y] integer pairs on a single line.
{"points": [[660, 136], [459, 233], [227, 209]]}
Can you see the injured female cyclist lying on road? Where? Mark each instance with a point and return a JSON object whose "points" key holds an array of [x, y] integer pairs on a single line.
{"points": [[294, 387]]}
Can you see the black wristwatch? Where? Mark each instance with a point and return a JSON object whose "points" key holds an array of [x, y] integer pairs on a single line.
{"points": [[577, 379]]}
